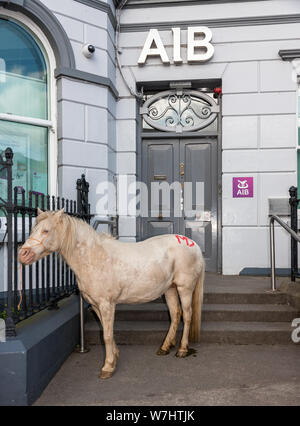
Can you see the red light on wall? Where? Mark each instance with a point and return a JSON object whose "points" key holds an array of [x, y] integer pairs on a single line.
{"points": [[218, 90]]}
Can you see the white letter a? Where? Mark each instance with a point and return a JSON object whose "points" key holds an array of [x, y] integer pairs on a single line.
{"points": [[159, 50]]}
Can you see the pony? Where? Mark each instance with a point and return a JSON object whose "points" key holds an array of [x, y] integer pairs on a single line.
{"points": [[109, 271]]}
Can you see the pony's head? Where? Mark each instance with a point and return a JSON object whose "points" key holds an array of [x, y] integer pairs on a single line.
{"points": [[44, 238]]}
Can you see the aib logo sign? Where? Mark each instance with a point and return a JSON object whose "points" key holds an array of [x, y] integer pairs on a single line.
{"points": [[242, 187]]}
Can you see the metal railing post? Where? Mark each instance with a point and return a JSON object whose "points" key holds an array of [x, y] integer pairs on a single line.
{"points": [[9, 321], [294, 225], [83, 209], [82, 349], [292, 233], [272, 254]]}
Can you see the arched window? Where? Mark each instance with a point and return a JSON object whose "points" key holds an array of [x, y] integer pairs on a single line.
{"points": [[24, 106], [180, 111]]}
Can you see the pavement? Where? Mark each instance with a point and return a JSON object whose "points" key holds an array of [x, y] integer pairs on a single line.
{"points": [[214, 375]]}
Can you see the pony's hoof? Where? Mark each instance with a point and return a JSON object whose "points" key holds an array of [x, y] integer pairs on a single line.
{"points": [[162, 352], [181, 354], [105, 374]]}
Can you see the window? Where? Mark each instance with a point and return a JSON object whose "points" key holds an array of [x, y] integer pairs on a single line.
{"points": [[24, 107], [180, 111]]}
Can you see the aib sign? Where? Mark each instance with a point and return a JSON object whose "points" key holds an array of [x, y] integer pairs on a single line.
{"points": [[242, 187], [199, 47]]}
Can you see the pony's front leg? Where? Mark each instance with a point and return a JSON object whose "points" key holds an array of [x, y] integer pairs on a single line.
{"points": [[107, 311], [116, 350]]}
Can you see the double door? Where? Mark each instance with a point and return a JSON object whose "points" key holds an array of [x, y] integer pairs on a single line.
{"points": [[182, 197]]}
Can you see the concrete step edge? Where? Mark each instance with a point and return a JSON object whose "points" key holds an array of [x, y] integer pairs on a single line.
{"points": [[211, 307], [206, 326]]}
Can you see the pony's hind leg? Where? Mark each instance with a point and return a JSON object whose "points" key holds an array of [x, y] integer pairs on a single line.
{"points": [[175, 313], [186, 295]]}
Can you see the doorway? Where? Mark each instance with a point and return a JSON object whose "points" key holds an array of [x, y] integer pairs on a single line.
{"points": [[181, 175]]}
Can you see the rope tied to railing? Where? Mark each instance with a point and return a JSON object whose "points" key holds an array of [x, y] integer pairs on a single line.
{"points": [[20, 288], [40, 242]]}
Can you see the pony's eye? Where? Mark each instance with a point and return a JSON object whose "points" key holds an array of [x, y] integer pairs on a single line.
{"points": [[45, 231]]}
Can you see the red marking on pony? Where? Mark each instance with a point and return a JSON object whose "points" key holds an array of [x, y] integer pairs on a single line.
{"points": [[189, 243]]}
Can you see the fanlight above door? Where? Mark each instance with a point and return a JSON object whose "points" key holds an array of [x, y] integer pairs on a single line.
{"points": [[179, 111]]}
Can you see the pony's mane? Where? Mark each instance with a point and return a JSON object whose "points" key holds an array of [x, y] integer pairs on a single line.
{"points": [[69, 231], [75, 227], [70, 228]]}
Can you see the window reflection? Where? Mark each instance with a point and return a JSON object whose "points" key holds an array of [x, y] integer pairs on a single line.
{"points": [[29, 144], [23, 92], [23, 73]]}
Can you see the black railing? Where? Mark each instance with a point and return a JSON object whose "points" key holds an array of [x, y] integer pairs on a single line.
{"points": [[294, 225], [42, 285]]}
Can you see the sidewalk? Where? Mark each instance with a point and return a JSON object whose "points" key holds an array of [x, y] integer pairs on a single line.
{"points": [[215, 375]]}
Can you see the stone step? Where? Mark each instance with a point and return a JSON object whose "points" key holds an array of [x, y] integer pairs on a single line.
{"points": [[211, 312], [153, 332], [264, 297], [249, 313], [236, 289], [237, 310]]}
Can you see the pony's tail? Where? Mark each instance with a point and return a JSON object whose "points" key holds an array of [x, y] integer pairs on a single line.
{"points": [[194, 335]]}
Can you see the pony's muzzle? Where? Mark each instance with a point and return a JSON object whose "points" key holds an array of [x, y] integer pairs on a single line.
{"points": [[26, 256]]}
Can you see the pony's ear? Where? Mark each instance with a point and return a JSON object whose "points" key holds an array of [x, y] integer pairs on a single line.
{"points": [[59, 214], [41, 215]]}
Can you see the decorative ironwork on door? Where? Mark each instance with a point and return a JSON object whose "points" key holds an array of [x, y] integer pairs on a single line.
{"points": [[179, 110]]}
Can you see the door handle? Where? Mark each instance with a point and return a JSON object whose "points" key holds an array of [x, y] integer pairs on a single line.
{"points": [[181, 169], [205, 216]]}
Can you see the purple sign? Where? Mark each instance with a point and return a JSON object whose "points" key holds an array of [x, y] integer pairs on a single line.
{"points": [[242, 187]]}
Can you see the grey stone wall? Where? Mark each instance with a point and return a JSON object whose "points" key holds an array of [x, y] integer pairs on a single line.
{"points": [[86, 111], [259, 106]]}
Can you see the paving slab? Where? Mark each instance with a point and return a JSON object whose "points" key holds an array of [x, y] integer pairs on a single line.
{"points": [[215, 375]]}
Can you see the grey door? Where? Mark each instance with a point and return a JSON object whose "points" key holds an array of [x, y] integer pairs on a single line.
{"points": [[191, 166], [160, 161], [200, 217]]}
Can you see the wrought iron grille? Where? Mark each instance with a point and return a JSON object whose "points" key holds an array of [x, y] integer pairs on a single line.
{"points": [[294, 202], [42, 285], [180, 110]]}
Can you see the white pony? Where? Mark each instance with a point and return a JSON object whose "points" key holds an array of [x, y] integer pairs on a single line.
{"points": [[109, 272]]}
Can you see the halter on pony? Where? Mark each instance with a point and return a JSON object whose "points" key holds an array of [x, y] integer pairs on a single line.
{"points": [[40, 243]]}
